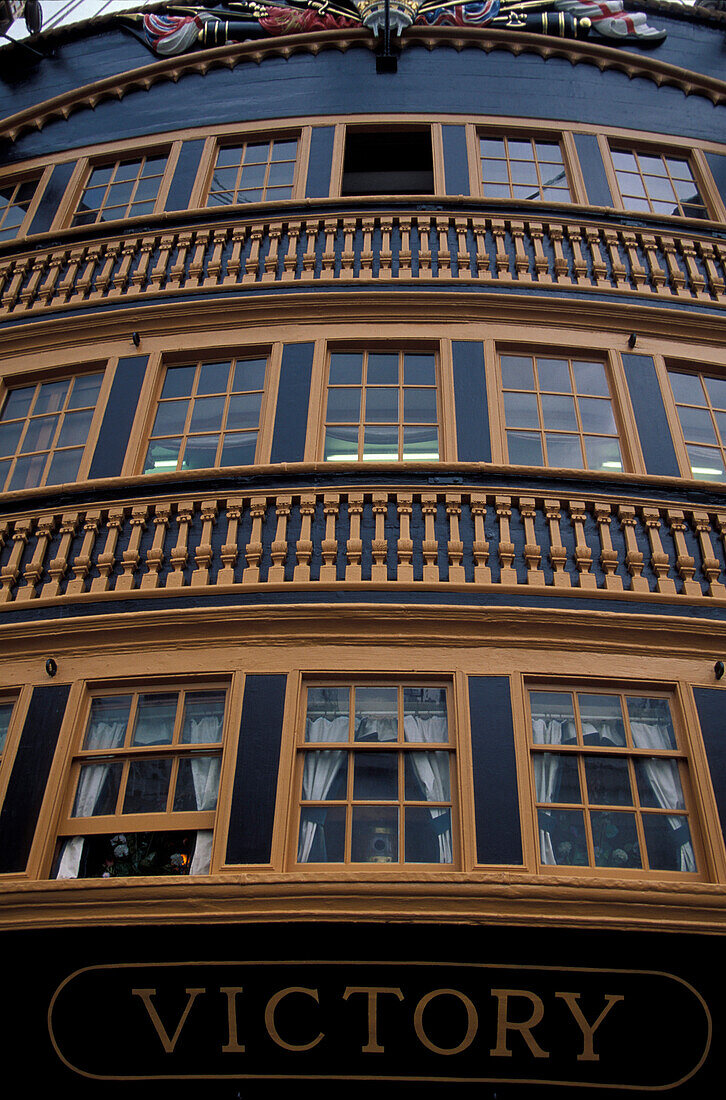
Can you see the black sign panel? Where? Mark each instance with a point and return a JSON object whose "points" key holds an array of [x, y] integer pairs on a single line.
{"points": [[507, 1012]]}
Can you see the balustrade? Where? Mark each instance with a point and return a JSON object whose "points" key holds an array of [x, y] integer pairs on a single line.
{"points": [[463, 539]]}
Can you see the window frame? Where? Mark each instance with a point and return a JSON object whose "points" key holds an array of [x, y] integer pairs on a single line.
{"points": [[228, 136], [695, 158], [627, 435], [19, 175], [518, 132], [101, 158], [684, 754], [454, 747], [664, 367]]}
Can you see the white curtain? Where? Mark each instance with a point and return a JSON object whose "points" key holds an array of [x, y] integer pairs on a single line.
{"points": [[432, 771], [205, 769], [319, 773], [664, 782], [548, 731]]}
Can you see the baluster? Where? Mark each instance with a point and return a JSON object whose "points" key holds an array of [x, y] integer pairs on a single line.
{"points": [[131, 557], [633, 556], [330, 227], [685, 564], [599, 267], [279, 548], [294, 230], [239, 236], [708, 256], [709, 563], [385, 259], [480, 546], [532, 549], [155, 553], [158, 272], [676, 278], [366, 255], [58, 566], [444, 258], [253, 550], [608, 556], [308, 260], [136, 283], [269, 275], [556, 234], [304, 547], [228, 553], [503, 508], [34, 569], [379, 545], [82, 564], [617, 267], [424, 250], [66, 284], [557, 551], [104, 276], [541, 263], [521, 259], [21, 269], [196, 267], [698, 282], [430, 545], [455, 547], [329, 545], [177, 273], [579, 263], [45, 292], [657, 275], [214, 267], [719, 521], [499, 232], [583, 553], [7, 269], [107, 560], [404, 248], [10, 572], [354, 545], [404, 546], [637, 271], [659, 560], [479, 229], [119, 280], [462, 248], [347, 259], [92, 258], [179, 555], [28, 292], [203, 554]]}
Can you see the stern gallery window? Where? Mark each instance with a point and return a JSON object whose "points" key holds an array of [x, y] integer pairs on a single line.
{"points": [[144, 785], [375, 776]]}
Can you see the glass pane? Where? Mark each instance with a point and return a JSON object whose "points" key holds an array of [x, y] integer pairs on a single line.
{"points": [[687, 388], [380, 444], [520, 410], [325, 774], [203, 717], [556, 777], [717, 391], [97, 790], [280, 174], [249, 374], [244, 410], [207, 414], [376, 714], [602, 719], [346, 369], [197, 783], [659, 784], [615, 839], [85, 391], [651, 723], [603, 454], [162, 456], [127, 171], [564, 450], [419, 370], [18, 403], [421, 444], [239, 449], [6, 709], [4, 469], [524, 173], [706, 463], [155, 719], [107, 722], [343, 406], [231, 155], [28, 472], [200, 452], [178, 382], [64, 467], [284, 150], [590, 379], [419, 406], [697, 425], [491, 147], [562, 838], [425, 715], [525, 448], [428, 835], [427, 777], [341, 444], [40, 434], [131, 854], [327, 714], [608, 780], [558, 413], [375, 834], [375, 776], [10, 437], [147, 786], [75, 428], [213, 378], [517, 372], [668, 841], [322, 834], [597, 416], [381, 405], [170, 418], [553, 717]]}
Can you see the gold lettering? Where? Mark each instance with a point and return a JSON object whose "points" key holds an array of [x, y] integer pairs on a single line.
{"points": [[233, 1045], [588, 1030], [167, 1043], [372, 1046], [472, 1021], [270, 1018], [504, 1024]]}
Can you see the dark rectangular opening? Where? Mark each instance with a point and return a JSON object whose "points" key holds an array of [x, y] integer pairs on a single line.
{"points": [[394, 162]]}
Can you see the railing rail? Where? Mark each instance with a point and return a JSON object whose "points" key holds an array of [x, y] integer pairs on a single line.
{"points": [[359, 248], [464, 539]]}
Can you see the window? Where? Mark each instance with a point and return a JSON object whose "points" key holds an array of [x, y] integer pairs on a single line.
{"points": [[15, 200], [701, 404], [381, 407], [44, 431], [522, 168], [144, 785], [390, 162], [254, 171], [208, 415], [6, 713], [375, 781], [123, 189], [659, 184], [559, 412], [608, 782]]}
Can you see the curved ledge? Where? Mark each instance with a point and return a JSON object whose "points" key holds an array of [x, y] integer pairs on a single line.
{"points": [[486, 38]]}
